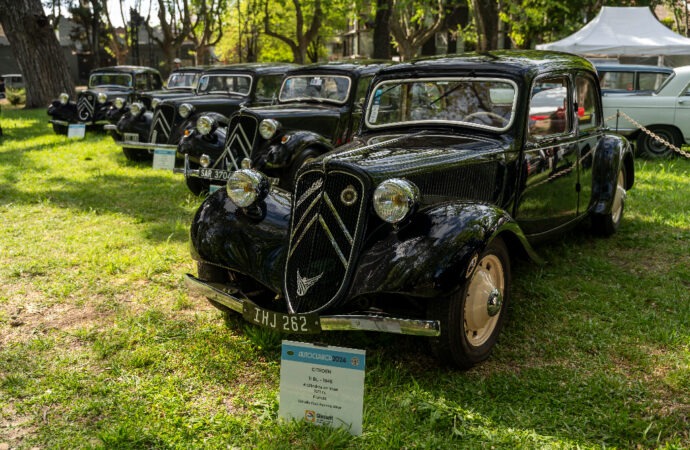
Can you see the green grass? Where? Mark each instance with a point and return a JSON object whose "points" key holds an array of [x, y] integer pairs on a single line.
{"points": [[100, 346]]}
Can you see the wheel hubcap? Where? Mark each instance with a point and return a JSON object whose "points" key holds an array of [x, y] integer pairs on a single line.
{"points": [[618, 199], [484, 300]]}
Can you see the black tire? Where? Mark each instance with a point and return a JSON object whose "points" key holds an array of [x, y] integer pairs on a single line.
{"points": [[649, 147], [197, 186], [136, 154], [60, 129], [472, 318], [288, 182], [608, 223]]}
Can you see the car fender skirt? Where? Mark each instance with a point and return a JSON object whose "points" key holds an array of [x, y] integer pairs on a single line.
{"points": [[247, 240], [431, 256]]}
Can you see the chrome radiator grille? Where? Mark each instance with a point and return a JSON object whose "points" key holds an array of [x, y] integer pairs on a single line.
{"points": [[328, 216], [162, 124], [85, 107], [239, 142]]}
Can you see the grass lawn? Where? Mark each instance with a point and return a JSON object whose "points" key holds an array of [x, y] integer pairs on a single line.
{"points": [[101, 347]]}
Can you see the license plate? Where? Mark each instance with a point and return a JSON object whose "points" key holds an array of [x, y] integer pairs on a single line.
{"points": [[286, 323], [214, 174], [131, 137]]}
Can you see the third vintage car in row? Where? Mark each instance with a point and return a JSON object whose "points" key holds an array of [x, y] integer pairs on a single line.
{"points": [[105, 85], [413, 226], [220, 90], [319, 107]]}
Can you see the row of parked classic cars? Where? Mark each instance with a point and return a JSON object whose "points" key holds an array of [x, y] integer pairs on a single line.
{"points": [[375, 196]]}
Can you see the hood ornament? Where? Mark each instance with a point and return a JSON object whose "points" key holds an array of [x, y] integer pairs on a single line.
{"points": [[303, 284]]}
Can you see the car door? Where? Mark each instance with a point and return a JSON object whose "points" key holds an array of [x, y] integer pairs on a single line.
{"points": [[588, 130], [549, 197]]}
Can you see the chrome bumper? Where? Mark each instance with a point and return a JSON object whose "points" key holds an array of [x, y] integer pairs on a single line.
{"points": [[145, 145], [236, 300], [110, 127]]}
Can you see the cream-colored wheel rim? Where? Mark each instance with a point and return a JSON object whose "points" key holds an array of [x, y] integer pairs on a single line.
{"points": [[618, 198], [483, 304]]}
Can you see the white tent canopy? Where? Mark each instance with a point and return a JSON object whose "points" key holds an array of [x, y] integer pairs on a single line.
{"points": [[623, 31]]}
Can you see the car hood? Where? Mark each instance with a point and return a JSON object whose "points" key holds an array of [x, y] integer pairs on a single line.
{"points": [[294, 116], [388, 155]]}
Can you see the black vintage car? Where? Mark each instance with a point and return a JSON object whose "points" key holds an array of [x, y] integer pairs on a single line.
{"points": [[319, 108], [462, 164], [105, 85], [221, 90]]}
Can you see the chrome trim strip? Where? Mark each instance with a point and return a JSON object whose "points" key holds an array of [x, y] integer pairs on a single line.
{"points": [[165, 127], [59, 122], [364, 322], [145, 145], [333, 242], [110, 127], [338, 219]]}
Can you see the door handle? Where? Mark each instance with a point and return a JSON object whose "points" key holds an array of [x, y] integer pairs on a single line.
{"points": [[683, 102]]}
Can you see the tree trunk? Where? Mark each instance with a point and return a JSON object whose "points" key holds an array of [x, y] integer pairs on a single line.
{"points": [[486, 17], [382, 30], [36, 50]]}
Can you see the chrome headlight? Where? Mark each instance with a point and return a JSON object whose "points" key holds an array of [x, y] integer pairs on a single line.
{"points": [[246, 187], [102, 98], [395, 199], [63, 98], [205, 125], [268, 128], [119, 102], [155, 102], [136, 108], [204, 160], [185, 110]]}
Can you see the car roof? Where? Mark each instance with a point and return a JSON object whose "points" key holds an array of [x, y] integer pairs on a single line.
{"points": [[257, 68], [128, 69], [518, 63], [358, 67], [632, 68]]}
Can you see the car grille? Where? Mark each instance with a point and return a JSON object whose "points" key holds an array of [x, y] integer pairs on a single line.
{"points": [[239, 143], [162, 124], [327, 224], [85, 107]]}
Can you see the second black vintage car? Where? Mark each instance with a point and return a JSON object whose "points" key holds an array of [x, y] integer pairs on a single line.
{"points": [[105, 85], [319, 108], [221, 90], [463, 163]]}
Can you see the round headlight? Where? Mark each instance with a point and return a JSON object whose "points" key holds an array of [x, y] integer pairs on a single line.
{"points": [[185, 110], [136, 108], [119, 102], [64, 98], [205, 125], [268, 128], [155, 102], [395, 199], [246, 186], [102, 98], [204, 161]]}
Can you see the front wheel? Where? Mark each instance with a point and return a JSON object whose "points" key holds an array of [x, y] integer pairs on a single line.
{"points": [[472, 318], [608, 223], [649, 147], [60, 129], [136, 154], [308, 154]]}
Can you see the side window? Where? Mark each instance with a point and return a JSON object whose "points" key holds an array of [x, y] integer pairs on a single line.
{"points": [[617, 80], [587, 108], [361, 93], [140, 81], [155, 81], [549, 111], [267, 87]]}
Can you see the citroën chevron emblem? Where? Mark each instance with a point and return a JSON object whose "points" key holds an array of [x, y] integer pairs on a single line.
{"points": [[303, 284]]}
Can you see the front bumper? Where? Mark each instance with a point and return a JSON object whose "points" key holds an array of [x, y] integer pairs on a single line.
{"points": [[236, 301]]}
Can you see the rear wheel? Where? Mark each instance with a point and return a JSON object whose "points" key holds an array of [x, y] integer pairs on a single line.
{"points": [[607, 224], [60, 129], [136, 154], [649, 147], [472, 319]]}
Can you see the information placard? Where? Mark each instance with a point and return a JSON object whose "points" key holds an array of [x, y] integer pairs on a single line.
{"points": [[76, 130], [323, 385], [163, 159]]}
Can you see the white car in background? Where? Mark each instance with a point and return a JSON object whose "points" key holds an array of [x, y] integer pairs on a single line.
{"points": [[664, 112]]}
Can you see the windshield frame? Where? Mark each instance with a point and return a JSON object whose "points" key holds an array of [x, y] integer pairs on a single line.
{"points": [[196, 77], [443, 122], [102, 74], [316, 99], [224, 74]]}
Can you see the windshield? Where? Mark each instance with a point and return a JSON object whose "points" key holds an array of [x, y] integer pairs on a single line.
{"points": [[226, 83], [478, 102], [320, 88], [114, 78], [187, 80]]}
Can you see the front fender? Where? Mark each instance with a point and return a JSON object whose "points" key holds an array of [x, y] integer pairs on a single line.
{"points": [[195, 145], [431, 255], [141, 124], [67, 112], [247, 240], [278, 154], [612, 153]]}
